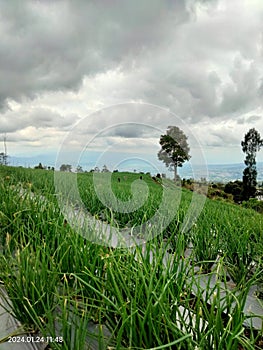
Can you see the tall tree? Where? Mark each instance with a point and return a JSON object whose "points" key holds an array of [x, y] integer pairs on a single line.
{"points": [[250, 146], [175, 149]]}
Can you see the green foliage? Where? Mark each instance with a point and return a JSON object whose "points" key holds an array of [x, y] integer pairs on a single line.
{"points": [[174, 149], [253, 203], [60, 283], [3, 158], [250, 146], [30, 281], [65, 167], [236, 189]]}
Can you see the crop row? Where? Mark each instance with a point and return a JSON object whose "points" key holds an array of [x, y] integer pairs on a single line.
{"points": [[61, 284]]}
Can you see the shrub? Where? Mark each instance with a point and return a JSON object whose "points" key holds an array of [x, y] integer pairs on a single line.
{"points": [[235, 188], [253, 203]]}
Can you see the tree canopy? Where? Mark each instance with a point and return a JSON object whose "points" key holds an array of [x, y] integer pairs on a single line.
{"points": [[250, 146], [3, 158], [174, 149], [66, 167]]}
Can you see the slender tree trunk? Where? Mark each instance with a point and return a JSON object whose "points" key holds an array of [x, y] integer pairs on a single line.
{"points": [[175, 172]]}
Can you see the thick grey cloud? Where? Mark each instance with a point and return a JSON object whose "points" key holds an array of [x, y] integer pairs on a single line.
{"points": [[49, 46], [250, 119], [61, 60], [38, 118]]}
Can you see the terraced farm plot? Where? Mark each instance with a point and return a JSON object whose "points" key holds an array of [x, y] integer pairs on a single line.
{"points": [[195, 284]]}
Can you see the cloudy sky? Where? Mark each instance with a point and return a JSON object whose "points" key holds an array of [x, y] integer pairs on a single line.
{"points": [[82, 68]]}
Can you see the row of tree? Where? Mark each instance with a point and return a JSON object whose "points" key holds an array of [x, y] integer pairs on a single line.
{"points": [[175, 151], [44, 167], [79, 169]]}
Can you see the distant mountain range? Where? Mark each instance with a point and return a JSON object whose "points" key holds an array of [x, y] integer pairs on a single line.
{"points": [[215, 172]]}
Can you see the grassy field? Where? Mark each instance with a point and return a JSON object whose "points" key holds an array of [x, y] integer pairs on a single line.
{"points": [[60, 283]]}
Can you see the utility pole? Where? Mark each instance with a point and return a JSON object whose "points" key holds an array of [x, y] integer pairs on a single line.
{"points": [[5, 151]]}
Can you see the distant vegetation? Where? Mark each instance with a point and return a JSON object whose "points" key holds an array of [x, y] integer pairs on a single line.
{"points": [[175, 152], [250, 146]]}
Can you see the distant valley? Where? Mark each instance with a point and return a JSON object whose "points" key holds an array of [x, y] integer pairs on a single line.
{"points": [[214, 172], [221, 172]]}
